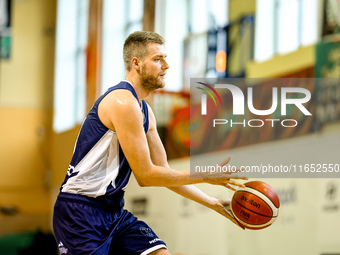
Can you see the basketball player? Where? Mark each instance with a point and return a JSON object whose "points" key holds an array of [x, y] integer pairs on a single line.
{"points": [[118, 136]]}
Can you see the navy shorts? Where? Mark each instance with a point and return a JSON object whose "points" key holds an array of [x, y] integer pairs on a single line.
{"points": [[84, 226]]}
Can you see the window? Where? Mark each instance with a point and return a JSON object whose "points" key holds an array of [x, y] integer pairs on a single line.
{"points": [[70, 64], [186, 36], [282, 26], [120, 18]]}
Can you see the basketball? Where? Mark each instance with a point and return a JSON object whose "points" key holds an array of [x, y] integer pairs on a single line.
{"points": [[256, 206]]}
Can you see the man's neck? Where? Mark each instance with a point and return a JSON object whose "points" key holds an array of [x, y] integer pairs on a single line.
{"points": [[141, 93]]}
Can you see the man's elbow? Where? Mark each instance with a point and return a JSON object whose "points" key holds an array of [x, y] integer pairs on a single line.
{"points": [[144, 177], [143, 181]]}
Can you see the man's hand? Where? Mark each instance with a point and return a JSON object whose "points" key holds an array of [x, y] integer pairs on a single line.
{"points": [[223, 178], [223, 206]]}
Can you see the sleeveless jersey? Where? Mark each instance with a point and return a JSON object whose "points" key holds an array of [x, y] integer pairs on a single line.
{"points": [[98, 168]]}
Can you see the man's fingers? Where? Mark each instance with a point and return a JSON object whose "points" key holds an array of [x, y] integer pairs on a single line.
{"points": [[237, 170], [226, 204], [231, 217], [225, 161], [236, 183], [229, 187], [238, 224], [238, 177]]}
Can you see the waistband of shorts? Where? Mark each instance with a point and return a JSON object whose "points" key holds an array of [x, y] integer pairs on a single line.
{"points": [[100, 202]]}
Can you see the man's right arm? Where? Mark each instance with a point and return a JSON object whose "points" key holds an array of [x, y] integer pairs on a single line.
{"points": [[127, 121]]}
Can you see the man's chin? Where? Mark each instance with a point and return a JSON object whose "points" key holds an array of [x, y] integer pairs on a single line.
{"points": [[154, 87], [160, 85]]}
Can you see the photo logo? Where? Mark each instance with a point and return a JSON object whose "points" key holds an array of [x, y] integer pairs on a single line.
{"points": [[239, 104], [204, 97]]}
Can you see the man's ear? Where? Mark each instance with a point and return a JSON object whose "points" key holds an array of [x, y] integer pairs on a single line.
{"points": [[136, 63]]}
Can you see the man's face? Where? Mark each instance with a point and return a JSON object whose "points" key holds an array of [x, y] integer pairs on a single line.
{"points": [[154, 68]]}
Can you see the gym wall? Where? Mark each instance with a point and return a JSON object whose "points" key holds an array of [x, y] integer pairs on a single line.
{"points": [[26, 93]]}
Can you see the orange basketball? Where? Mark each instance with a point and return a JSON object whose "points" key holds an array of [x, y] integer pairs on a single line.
{"points": [[256, 206]]}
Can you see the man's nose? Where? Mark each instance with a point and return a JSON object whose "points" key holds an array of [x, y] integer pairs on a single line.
{"points": [[165, 65]]}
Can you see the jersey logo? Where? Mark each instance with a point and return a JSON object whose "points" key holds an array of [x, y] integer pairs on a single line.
{"points": [[146, 232], [70, 170], [62, 249]]}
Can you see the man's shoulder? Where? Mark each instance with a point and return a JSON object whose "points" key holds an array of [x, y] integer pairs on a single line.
{"points": [[120, 97], [116, 106], [119, 104]]}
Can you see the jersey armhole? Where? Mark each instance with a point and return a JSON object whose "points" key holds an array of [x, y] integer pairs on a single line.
{"points": [[101, 99]]}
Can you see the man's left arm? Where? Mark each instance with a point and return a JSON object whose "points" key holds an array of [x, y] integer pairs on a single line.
{"points": [[159, 157]]}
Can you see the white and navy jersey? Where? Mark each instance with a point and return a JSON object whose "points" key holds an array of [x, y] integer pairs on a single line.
{"points": [[99, 168]]}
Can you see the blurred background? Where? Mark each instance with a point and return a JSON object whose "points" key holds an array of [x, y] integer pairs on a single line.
{"points": [[58, 56]]}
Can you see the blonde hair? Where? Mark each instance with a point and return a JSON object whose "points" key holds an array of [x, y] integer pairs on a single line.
{"points": [[136, 45]]}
